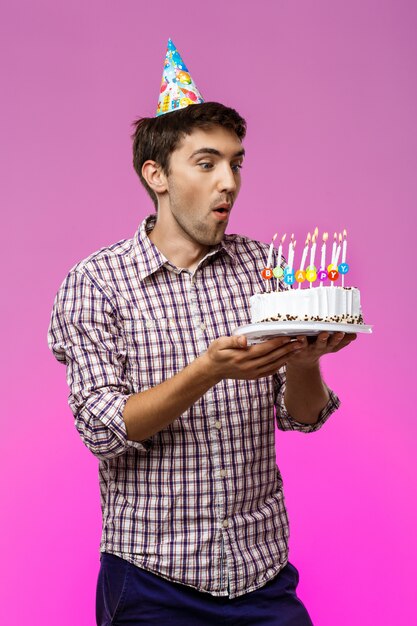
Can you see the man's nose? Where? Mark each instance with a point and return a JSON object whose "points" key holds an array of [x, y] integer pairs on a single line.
{"points": [[227, 179]]}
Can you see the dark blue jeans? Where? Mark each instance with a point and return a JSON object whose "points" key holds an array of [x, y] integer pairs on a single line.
{"points": [[127, 594]]}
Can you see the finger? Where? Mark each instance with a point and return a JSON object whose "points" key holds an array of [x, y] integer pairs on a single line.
{"points": [[231, 343], [270, 370], [269, 346], [334, 341], [348, 339], [302, 341], [272, 357], [320, 345]]}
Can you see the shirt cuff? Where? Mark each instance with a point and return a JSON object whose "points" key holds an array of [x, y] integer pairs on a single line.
{"points": [[107, 412], [144, 445], [286, 422]]}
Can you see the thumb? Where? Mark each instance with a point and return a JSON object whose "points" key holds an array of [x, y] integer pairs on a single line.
{"points": [[231, 342], [240, 341]]}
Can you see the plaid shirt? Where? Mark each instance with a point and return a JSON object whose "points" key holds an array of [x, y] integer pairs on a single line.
{"points": [[201, 501]]}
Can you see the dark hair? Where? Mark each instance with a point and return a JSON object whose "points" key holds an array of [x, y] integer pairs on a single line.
{"points": [[155, 138]]}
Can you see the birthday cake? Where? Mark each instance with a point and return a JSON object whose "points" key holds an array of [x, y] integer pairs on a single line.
{"points": [[321, 303], [318, 304]]}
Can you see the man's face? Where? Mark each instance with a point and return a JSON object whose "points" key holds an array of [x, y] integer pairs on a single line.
{"points": [[203, 184]]}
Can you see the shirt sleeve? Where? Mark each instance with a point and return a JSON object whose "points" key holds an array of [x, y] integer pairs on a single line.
{"points": [[286, 422], [83, 334]]}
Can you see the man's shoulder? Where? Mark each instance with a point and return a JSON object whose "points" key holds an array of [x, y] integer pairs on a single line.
{"points": [[106, 256], [240, 244]]}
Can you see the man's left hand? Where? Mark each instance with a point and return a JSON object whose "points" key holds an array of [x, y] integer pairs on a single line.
{"points": [[310, 353]]}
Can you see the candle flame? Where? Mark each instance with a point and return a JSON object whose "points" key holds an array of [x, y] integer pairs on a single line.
{"points": [[292, 237], [325, 237], [308, 239], [340, 238], [283, 238], [274, 237], [294, 244], [335, 237], [345, 233], [316, 233]]}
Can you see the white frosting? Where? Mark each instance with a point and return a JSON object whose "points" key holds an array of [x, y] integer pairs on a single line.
{"points": [[331, 304]]}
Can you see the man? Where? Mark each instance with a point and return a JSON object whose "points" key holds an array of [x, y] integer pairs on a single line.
{"points": [[179, 412]]}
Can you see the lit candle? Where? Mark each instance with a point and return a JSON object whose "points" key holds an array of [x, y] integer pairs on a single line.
{"points": [[339, 247], [303, 258], [344, 246], [280, 255], [290, 248], [291, 258], [313, 250], [334, 249], [269, 261], [337, 255], [291, 255], [344, 253], [271, 249], [323, 254]]}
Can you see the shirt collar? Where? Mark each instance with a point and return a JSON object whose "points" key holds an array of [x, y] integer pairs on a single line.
{"points": [[150, 259]]}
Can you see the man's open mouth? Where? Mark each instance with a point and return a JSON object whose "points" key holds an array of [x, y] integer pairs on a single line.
{"points": [[222, 209]]}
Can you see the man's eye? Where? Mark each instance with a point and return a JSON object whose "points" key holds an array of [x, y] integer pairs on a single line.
{"points": [[237, 167], [205, 165]]}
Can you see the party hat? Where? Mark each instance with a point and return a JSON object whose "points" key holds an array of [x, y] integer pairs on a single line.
{"points": [[178, 89]]}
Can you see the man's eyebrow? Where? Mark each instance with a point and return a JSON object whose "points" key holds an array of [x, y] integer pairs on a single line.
{"points": [[215, 152]]}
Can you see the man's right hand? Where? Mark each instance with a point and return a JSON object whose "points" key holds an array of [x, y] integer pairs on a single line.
{"points": [[151, 410], [231, 357]]}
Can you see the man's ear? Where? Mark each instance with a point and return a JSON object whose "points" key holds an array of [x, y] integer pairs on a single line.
{"points": [[154, 176]]}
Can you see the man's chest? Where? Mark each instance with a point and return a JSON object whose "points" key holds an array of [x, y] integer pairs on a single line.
{"points": [[170, 318]]}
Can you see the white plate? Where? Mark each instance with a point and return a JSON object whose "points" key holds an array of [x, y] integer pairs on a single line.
{"points": [[257, 333]]}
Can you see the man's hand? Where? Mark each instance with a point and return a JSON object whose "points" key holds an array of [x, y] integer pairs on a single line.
{"points": [[303, 372], [325, 343], [231, 357], [151, 410]]}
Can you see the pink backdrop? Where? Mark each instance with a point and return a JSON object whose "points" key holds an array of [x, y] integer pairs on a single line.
{"points": [[329, 92]]}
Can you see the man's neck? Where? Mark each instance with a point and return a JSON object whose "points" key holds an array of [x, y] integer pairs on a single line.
{"points": [[179, 250]]}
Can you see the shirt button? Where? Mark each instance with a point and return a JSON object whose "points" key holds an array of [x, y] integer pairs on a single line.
{"points": [[149, 323], [225, 523], [218, 424], [222, 473], [203, 326]]}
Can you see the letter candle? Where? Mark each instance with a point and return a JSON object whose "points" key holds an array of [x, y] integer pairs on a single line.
{"points": [[278, 265], [344, 248], [313, 249], [303, 258], [323, 254]]}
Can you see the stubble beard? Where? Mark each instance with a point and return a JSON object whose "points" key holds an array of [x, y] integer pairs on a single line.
{"points": [[198, 231]]}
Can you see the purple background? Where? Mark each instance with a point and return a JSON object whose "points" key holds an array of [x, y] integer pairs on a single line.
{"points": [[329, 92]]}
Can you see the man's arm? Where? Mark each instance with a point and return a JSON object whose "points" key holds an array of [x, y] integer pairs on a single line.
{"points": [[149, 411], [306, 395], [110, 418]]}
